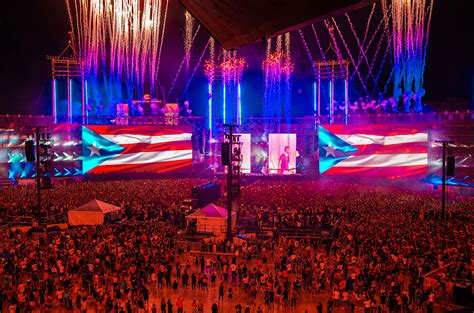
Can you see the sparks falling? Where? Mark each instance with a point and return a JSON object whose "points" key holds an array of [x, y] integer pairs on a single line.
{"points": [[410, 21], [188, 35], [278, 68], [121, 41]]}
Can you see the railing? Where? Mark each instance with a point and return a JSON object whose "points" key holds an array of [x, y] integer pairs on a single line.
{"points": [[54, 219], [360, 118], [13, 121], [18, 220], [287, 232], [398, 118], [29, 220], [193, 245]]}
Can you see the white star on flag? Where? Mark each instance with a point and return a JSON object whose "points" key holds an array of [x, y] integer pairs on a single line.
{"points": [[330, 150], [94, 149]]}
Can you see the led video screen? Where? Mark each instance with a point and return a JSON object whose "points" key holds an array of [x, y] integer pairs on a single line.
{"points": [[373, 150], [282, 152], [109, 149], [64, 152]]}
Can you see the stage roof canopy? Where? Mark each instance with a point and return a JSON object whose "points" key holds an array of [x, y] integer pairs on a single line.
{"points": [[235, 23]]}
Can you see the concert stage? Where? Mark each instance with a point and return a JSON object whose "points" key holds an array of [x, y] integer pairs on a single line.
{"points": [[152, 146]]}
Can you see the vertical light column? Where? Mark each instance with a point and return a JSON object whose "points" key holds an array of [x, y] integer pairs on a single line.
{"points": [[318, 102], [209, 107], [83, 98], [331, 101], [315, 99], [346, 101], [223, 103], [69, 97], [86, 94], [318, 98], [54, 100], [239, 105]]}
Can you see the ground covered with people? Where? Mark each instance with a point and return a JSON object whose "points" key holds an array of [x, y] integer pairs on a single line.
{"points": [[369, 249]]}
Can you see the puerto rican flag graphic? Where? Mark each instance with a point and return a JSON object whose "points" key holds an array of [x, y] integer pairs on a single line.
{"points": [[108, 148], [373, 150]]}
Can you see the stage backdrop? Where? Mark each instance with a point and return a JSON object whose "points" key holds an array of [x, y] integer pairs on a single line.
{"points": [[277, 144], [374, 150], [108, 148]]}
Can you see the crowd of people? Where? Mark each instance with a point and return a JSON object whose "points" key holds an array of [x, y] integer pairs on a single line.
{"points": [[383, 241], [141, 199], [406, 103]]}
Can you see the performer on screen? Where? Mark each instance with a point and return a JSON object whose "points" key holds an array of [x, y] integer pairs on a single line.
{"points": [[284, 161], [185, 110]]}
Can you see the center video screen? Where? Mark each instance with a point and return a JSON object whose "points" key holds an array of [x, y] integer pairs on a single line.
{"points": [[282, 153]]}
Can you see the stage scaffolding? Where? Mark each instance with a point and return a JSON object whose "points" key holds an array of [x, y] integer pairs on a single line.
{"points": [[331, 71], [68, 68]]}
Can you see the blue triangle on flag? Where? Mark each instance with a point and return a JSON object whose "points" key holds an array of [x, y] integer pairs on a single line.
{"points": [[96, 149], [332, 149]]}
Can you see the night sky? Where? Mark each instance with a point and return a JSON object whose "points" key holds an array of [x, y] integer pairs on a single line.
{"points": [[31, 30]]}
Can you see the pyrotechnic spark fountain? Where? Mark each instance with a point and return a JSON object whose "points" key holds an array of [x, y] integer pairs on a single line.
{"points": [[210, 64], [196, 67], [188, 34], [231, 72], [278, 43], [410, 29], [269, 47], [277, 68], [182, 63], [209, 71], [287, 48], [212, 50], [121, 40], [288, 70], [232, 68], [155, 75]]}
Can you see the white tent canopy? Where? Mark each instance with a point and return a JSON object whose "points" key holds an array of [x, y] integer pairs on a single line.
{"points": [[91, 213], [212, 218]]}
